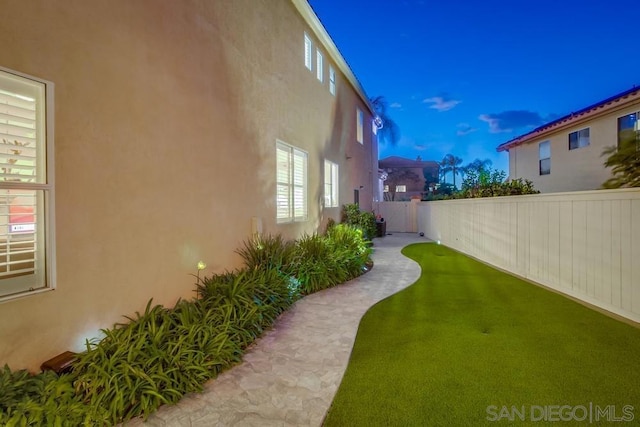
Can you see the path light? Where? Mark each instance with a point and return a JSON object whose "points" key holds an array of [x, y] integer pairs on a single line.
{"points": [[201, 265], [438, 241]]}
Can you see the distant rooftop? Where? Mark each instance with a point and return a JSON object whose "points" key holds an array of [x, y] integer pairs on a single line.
{"points": [[402, 162], [614, 102]]}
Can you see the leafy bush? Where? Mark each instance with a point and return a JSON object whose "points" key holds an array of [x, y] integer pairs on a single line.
{"points": [[351, 249], [488, 183], [253, 298], [366, 221], [267, 252], [316, 266], [158, 356], [154, 359], [42, 399]]}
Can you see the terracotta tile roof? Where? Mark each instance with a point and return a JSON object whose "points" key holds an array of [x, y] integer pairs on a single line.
{"points": [[401, 162], [617, 101]]}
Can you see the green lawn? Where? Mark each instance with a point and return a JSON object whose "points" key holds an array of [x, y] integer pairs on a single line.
{"points": [[466, 343]]}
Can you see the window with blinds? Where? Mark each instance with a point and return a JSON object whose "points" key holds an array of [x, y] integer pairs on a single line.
{"points": [[319, 65], [360, 126], [308, 47], [25, 187], [332, 80], [330, 184], [291, 183]]}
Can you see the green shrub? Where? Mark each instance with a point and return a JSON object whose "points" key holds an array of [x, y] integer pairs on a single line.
{"points": [[43, 399], [154, 359], [317, 266], [267, 252], [351, 249], [158, 356], [366, 221], [253, 299]]}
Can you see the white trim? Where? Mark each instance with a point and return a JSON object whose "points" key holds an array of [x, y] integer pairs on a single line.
{"points": [[332, 80], [290, 184], [47, 188], [330, 47], [332, 181], [319, 65], [359, 126], [308, 49]]}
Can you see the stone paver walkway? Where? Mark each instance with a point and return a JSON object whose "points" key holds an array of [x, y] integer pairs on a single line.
{"points": [[290, 375]]}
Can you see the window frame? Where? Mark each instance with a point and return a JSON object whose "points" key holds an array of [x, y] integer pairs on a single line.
{"points": [[308, 49], [401, 188], [359, 125], [331, 184], [547, 170], [44, 190], [332, 80], [635, 127], [319, 66], [578, 141], [291, 185]]}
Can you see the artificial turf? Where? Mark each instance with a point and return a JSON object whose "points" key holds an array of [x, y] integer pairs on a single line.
{"points": [[468, 345]]}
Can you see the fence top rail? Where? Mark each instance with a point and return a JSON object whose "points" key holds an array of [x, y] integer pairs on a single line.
{"points": [[612, 194]]}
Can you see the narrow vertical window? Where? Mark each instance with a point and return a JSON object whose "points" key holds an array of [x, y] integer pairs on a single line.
{"points": [[544, 162], [628, 127], [319, 65], [26, 188], [308, 48], [330, 184], [359, 126], [332, 80]]}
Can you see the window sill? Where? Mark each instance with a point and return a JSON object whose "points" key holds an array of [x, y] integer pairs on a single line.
{"points": [[21, 295]]}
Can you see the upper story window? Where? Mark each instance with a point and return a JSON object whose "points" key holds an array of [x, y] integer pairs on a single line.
{"points": [[308, 49], [332, 80], [386, 189], [401, 188], [330, 184], [579, 139], [544, 155], [359, 126], [26, 185], [628, 127], [291, 183], [319, 65]]}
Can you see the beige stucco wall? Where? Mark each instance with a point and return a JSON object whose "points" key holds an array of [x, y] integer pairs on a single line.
{"points": [[571, 170], [167, 115]]}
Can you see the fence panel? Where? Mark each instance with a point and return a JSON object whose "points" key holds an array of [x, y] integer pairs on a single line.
{"points": [[582, 243]]}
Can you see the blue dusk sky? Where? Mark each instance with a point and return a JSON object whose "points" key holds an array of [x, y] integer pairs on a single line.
{"points": [[462, 77]]}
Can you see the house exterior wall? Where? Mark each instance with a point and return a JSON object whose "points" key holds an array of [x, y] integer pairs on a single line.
{"points": [[166, 120], [583, 244], [571, 170]]}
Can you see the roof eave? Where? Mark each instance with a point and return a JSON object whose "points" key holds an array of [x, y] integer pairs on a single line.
{"points": [[321, 33]]}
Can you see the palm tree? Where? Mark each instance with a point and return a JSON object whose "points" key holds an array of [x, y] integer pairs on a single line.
{"points": [[388, 129], [624, 161], [452, 163]]}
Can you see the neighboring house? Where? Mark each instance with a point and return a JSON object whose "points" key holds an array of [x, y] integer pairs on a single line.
{"points": [[181, 128], [566, 154], [406, 178]]}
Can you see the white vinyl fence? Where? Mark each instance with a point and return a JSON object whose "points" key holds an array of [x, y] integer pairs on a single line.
{"points": [[585, 244]]}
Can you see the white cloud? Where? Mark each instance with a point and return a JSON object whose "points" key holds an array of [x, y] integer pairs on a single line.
{"points": [[508, 121], [395, 105], [441, 103], [465, 129]]}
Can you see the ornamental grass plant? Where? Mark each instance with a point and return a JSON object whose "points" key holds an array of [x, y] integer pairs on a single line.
{"points": [[159, 355]]}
